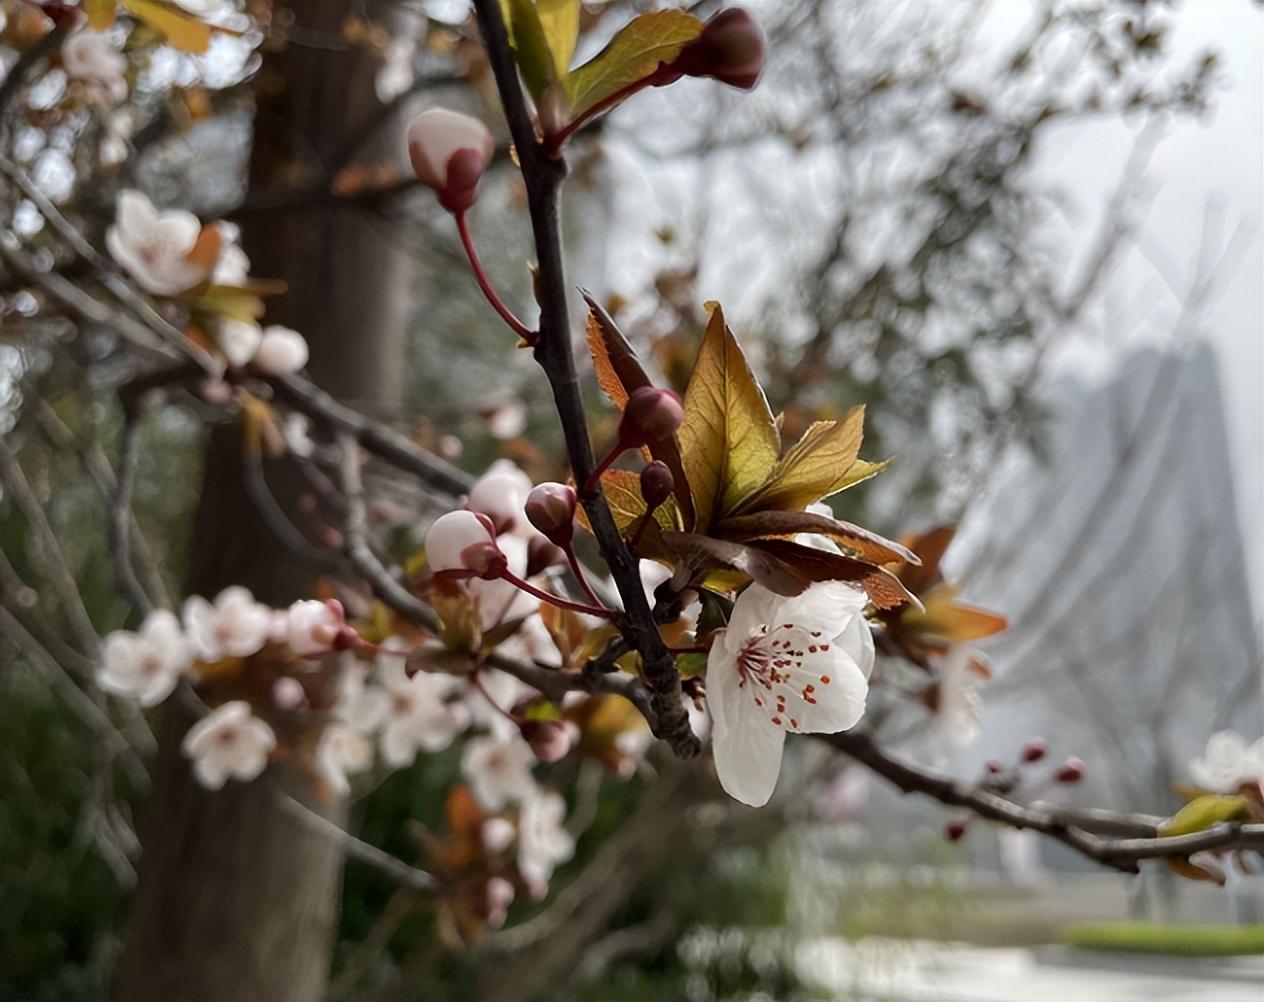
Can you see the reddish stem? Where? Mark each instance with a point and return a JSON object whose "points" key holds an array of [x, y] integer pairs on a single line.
{"points": [[578, 570], [484, 283], [594, 478], [557, 600], [478, 684]]}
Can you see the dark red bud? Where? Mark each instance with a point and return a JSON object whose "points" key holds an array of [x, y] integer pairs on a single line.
{"points": [[551, 740], [955, 831], [550, 508], [652, 414], [995, 767], [1034, 750], [657, 483], [1071, 771], [465, 170], [731, 48], [542, 554]]}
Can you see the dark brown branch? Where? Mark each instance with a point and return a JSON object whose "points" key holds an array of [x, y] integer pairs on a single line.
{"points": [[543, 176], [1076, 828]]}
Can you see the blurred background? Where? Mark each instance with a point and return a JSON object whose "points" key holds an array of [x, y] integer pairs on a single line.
{"points": [[1026, 236]]}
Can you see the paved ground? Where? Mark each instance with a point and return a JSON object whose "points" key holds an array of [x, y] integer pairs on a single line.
{"points": [[936, 972]]}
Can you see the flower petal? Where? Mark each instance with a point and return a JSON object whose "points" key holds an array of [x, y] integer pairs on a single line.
{"points": [[746, 746]]}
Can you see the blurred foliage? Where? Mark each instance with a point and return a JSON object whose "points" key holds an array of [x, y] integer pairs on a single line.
{"points": [[1170, 940]]}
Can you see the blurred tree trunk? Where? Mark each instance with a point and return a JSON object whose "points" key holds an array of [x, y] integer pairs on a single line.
{"points": [[238, 899]]}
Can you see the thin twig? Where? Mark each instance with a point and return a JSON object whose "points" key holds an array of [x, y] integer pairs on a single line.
{"points": [[121, 515]]}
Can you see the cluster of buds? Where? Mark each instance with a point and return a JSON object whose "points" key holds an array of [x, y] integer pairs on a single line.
{"points": [[652, 415]]}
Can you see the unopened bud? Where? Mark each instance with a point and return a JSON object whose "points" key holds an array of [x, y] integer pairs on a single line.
{"points": [[450, 152], [541, 555], [288, 693], [731, 48], [652, 414], [497, 835], [955, 831], [464, 542], [994, 767], [551, 740], [657, 483], [281, 351], [550, 508], [1034, 750], [313, 627], [500, 895], [1070, 771]]}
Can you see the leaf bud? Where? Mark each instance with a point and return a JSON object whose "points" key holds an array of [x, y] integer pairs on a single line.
{"points": [[550, 508], [450, 153]]}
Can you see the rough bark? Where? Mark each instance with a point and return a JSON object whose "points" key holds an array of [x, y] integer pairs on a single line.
{"points": [[236, 898]]}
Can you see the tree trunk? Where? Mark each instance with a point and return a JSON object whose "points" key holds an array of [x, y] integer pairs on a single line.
{"points": [[237, 899]]}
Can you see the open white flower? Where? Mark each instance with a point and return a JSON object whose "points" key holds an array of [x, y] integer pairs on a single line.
{"points": [[235, 626], [498, 770], [145, 665], [92, 58], [343, 751], [1228, 763], [229, 742], [419, 714], [543, 841], [153, 245], [784, 664], [282, 352]]}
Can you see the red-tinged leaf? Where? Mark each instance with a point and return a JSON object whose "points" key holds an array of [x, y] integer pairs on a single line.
{"points": [[944, 619], [787, 524], [705, 553], [931, 547], [729, 439], [883, 588], [619, 373]]}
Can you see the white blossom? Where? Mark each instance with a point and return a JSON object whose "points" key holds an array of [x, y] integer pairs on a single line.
{"points": [[342, 751], [501, 494], [496, 692], [958, 701], [312, 627], [232, 267], [282, 352], [784, 664], [419, 714], [230, 742], [1228, 763], [543, 841], [235, 626], [145, 665], [396, 73], [497, 834], [153, 245], [498, 770], [92, 58], [237, 339], [500, 600], [459, 540]]}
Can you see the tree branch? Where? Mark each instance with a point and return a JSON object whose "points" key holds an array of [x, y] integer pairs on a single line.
{"points": [[543, 176]]}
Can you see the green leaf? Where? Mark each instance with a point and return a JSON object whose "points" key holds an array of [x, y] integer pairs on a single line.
{"points": [[816, 466], [1204, 812], [691, 664], [787, 524], [635, 53], [530, 45], [729, 439], [559, 20]]}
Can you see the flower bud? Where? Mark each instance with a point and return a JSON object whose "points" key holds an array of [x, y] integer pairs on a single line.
{"points": [[497, 835], [955, 831], [551, 509], [499, 496], [551, 740], [652, 414], [1034, 750], [500, 895], [541, 555], [288, 693], [281, 352], [463, 542], [450, 152], [1070, 771], [657, 483], [312, 627], [731, 49], [994, 767]]}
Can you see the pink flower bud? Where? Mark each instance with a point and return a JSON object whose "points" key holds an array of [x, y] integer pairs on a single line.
{"points": [[731, 49], [288, 693], [312, 627], [652, 414], [450, 152], [464, 542], [657, 483], [551, 740], [1070, 771], [541, 555], [551, 509], [500, 895], [1034, 750], [281, 352]]}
